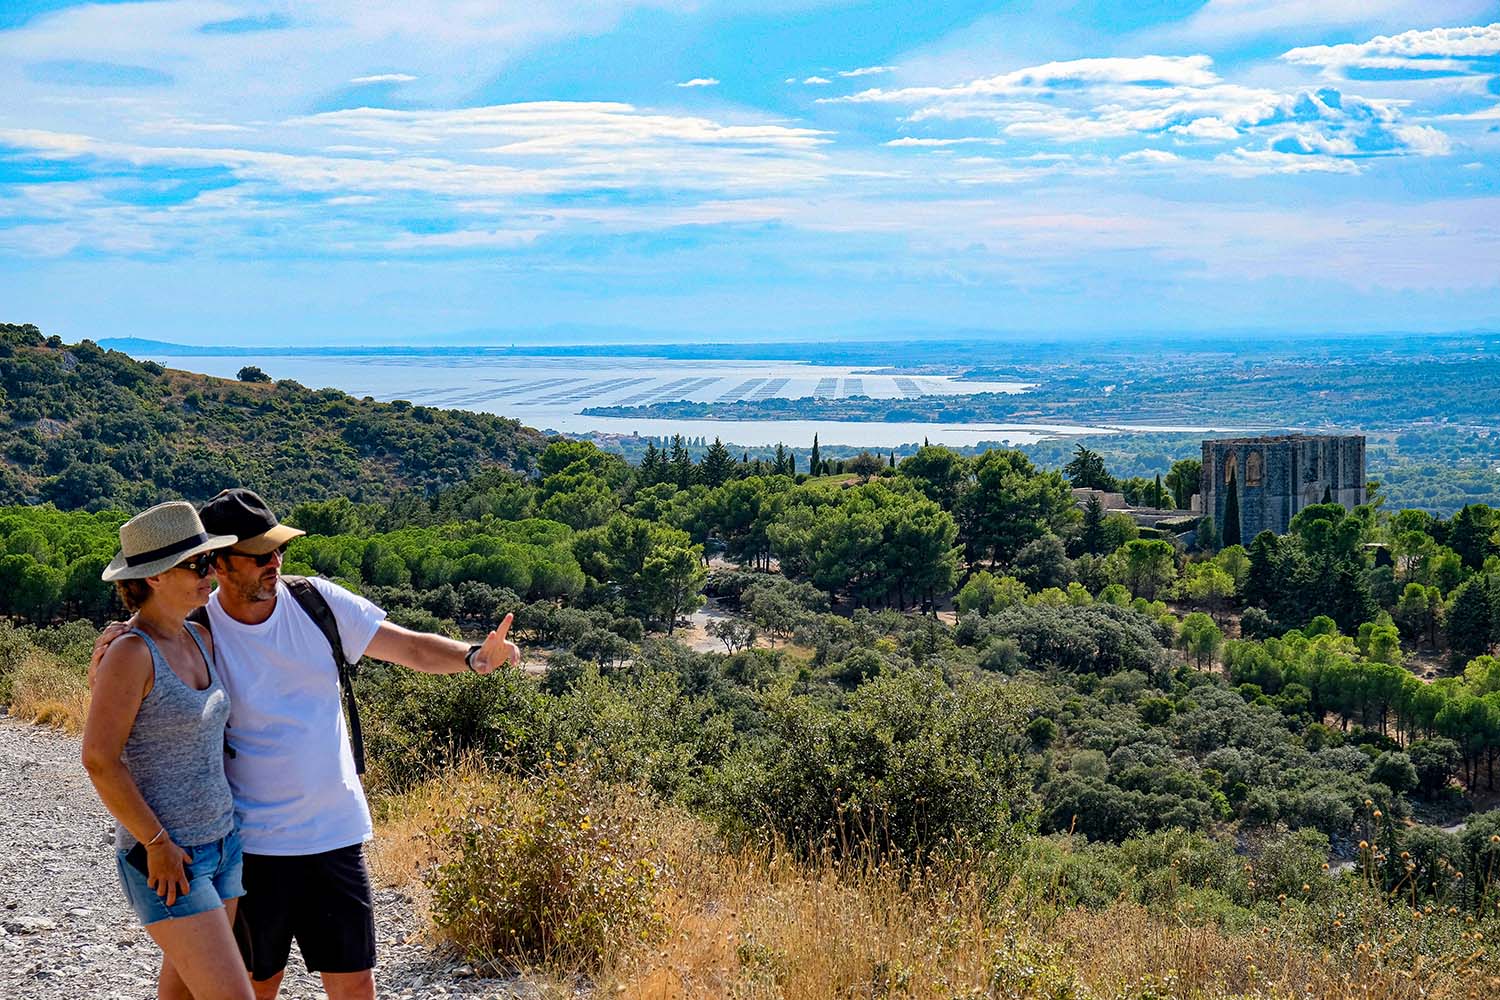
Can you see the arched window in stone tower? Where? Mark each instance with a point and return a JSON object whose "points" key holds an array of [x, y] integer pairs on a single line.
{"points": [[1255, 469], [1231, 467]]}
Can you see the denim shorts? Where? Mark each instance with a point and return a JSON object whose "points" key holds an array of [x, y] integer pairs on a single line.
{"points": [[213, 877]]}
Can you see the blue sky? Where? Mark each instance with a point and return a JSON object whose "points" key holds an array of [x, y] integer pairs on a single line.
{"points": [[405, 171]]}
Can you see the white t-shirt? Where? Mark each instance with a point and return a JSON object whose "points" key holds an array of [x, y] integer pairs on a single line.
{"points": [[292, 773]]}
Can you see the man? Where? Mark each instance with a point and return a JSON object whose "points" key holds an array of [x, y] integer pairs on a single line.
{"points": [[301, 807]]}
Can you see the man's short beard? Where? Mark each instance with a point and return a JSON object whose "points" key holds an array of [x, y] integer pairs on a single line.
{"points": [[258, 591]]}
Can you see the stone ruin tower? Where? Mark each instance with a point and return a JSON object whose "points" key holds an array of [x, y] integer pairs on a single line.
{"points": [[1278, 476]]}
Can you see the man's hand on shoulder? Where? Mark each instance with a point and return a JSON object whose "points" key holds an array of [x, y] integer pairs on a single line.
{"points": [[497, 650], [111, 632]]}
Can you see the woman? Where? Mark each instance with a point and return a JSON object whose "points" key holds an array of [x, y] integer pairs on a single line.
{"points": [[154, 747]]}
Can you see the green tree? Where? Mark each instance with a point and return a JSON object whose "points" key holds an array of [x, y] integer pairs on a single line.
{"points": [[941, 473], [986, 593], [1470, 619], [717, 466], [1145, 566], [1230, 535], [653, 467], [1092, 539], [1199, 637], [815, 460], [1472, 534], [1087, 471], [680, 465], [251, 373], [1012, 503], [1417, 611], [1209, 585], [1184, 479], [864, 465]]}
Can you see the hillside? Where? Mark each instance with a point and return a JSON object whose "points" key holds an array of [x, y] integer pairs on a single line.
{"points": [[83, 427]]}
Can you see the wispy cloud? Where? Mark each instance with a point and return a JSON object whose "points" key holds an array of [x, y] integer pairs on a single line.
{"points": [[1218, 21], [1435, 50], [816, 81], [923, 143], [699, 81], [866, 71], [385, 78], [1179, 98]]}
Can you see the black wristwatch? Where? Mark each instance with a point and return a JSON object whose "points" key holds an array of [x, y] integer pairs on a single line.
{"points": [[469, 656]]}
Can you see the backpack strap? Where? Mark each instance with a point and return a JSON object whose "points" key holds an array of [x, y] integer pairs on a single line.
{"points": [[315, 606]]}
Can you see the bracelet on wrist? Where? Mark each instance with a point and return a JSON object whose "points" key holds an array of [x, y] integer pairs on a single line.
{"points": [[158, 838], [469, 657]]}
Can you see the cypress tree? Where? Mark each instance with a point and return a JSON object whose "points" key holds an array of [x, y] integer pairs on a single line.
{"points": [[1161, 496], [1328, 494], [1093, 526], [1231, 533], [893, 459], [815, 461]]}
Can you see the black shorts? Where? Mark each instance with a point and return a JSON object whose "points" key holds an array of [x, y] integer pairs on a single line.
{"points": [[321, 900]]}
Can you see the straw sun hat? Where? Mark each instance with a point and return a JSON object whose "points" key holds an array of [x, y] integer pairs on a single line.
{"points": [[155, 540]]}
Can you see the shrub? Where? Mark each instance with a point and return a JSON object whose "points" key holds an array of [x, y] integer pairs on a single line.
{"points": [[557, 871], [48, 690]]}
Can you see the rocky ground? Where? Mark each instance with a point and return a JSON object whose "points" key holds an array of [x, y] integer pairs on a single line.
{"points": [[65, 930]]}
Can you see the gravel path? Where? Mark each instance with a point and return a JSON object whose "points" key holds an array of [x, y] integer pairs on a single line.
{"points": [[66, 932]]}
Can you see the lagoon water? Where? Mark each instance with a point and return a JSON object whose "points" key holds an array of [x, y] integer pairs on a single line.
{"points": [[549, 392]]}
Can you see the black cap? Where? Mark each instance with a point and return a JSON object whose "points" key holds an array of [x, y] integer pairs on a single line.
{"points": [[254, 524]]}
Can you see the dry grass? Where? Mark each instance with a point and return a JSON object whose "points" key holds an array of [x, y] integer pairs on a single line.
{"points": [[758, 925], [48, 691]]}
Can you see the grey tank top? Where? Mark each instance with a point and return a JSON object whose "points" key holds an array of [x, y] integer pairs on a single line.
{"points": [[175, 753]]}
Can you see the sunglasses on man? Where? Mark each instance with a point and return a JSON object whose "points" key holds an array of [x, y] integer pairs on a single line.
{"points": [[263, 559]]}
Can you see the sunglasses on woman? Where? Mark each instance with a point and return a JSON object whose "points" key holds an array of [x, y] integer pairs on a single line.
{"points": [[264, 559], [201, 564]]}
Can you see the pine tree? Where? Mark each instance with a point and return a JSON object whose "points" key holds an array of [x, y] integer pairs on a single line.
{"points": [[814, 461], [1231, 533], [717, 465], [682, 463], [779, 465], [652, 465]]}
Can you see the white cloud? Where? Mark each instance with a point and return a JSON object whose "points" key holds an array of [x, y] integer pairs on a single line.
{"points": [[465, 239], [384, 78], [911, 141], [699, 81], [1179, 97], [1254, 162], [1444, 49], [1163, 70], [866, 71], [816, 81], [1150, 156], [1225, 20]]}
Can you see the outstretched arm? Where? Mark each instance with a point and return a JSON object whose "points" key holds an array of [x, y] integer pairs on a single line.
{"points": [[437, 654]]}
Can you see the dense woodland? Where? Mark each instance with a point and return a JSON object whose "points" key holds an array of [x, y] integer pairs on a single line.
{"points": [[947, 651]]}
